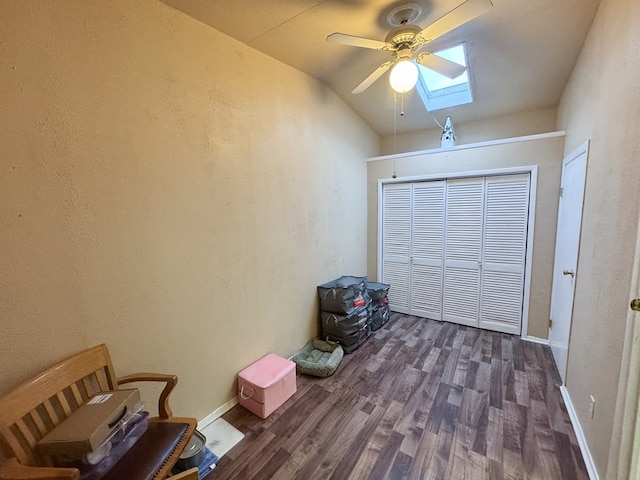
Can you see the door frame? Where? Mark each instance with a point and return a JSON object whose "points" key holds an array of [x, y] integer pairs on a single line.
{"points": [[532, 170], [624, 453], [574, 155]]}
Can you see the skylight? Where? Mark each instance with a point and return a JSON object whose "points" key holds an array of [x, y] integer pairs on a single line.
{"points": [[438, 91]]}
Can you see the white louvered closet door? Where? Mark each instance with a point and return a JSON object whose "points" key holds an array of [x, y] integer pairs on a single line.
{"points": [[427, 249], [396, 243], [463, 250], [504, 251], [455, 250]]}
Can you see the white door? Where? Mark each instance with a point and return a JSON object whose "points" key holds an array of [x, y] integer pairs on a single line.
{"points": [[427, 249], [463, 250], [574, 169], [504, 252], [396, 243], [627, 419], [413, 243]]}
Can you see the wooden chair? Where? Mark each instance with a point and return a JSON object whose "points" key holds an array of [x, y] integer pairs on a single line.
{"points": [[191, 474], [37, 406]]}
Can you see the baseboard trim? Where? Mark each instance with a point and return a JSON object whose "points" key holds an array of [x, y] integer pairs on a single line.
{"points": [[543, 341], [582, 441], [217, 413]]}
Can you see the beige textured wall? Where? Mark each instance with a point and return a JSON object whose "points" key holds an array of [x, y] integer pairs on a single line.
{"points": [[546, 153], [166, 190], [602, 103], [494, 128]]}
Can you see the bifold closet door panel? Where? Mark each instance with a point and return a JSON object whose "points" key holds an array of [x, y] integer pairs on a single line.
{"points": [[504, 253], [396, 243], [463, 249], [427, 249]]}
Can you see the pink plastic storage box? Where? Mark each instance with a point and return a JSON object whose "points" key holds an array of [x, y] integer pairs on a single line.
{"points": [[266, 384]]}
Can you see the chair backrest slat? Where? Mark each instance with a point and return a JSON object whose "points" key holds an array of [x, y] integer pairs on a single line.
{"points": [[90, 385], [39, 423], [29, 438], [77, 396], [51, 413], [64, 403], [103, 380]]}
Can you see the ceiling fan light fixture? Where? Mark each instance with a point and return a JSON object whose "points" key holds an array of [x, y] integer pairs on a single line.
{"points": [[404, 76]]}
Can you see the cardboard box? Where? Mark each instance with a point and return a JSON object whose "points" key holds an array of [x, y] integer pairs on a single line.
{"points": [[91, 425], [266, 384]]}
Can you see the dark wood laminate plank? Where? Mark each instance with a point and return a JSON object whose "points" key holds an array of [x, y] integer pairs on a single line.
{"points": [[514, 425], [441, 362], [479, 444], [411, 441], [487, 345], [423, 455], [386, 457], [400, 468], [267, 471], [353, 454], [440, 461], [495, 444], [438, 408], [319, 427], [460, 375], [472, 372], [508, 381], [256, 458], [304, 406], [455, 395], [431, 359], [450, 366], [330, 453], [522, 388], [495, 386], [373, 447], [579, 461], [424, 402], [476, 348], [496, 346], [411, 397], [518, 354], [483, 378], [547, 459]]}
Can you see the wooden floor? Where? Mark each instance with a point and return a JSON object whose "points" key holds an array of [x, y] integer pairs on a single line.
{"points": [[419, 400]]}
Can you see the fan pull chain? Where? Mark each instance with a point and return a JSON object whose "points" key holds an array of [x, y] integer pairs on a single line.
{"points": [[395, 144]]}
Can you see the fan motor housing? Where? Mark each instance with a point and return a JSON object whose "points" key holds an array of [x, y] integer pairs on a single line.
{"points": [[402, 35]]}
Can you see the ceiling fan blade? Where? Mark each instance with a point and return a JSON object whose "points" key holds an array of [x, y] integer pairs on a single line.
{"points": [[460, 15], [344, 39], [377, 73], [441, 65]]}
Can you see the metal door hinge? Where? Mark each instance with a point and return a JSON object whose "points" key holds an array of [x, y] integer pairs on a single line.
{"points": [[635, 305], [561, 191], [550, 323]]}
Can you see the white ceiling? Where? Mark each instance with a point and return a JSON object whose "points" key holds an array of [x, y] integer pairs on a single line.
{"points": [[520, 53]]}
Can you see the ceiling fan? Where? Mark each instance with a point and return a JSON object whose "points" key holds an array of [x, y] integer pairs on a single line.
{"points": [[407, 39]]}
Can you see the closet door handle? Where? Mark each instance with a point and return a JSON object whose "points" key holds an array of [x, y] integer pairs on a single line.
{"points": [[568, 272]]}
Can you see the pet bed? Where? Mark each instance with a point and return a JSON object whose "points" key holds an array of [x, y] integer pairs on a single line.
{"points": [[319, 358]]}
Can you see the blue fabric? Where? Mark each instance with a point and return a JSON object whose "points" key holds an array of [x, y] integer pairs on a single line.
{"points": [[208, 463]]}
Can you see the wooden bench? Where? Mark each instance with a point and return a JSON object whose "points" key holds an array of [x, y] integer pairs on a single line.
{"points": [[37, 406]]}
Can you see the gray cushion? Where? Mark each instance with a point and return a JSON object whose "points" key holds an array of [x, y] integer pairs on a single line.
{"points": [[319, 358]]}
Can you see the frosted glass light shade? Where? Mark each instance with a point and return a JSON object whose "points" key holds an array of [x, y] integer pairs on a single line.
{"points": [[404, 76]]}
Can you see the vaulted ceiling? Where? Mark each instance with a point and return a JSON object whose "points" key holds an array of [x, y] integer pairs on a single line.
{"points": [[520, 53]]}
